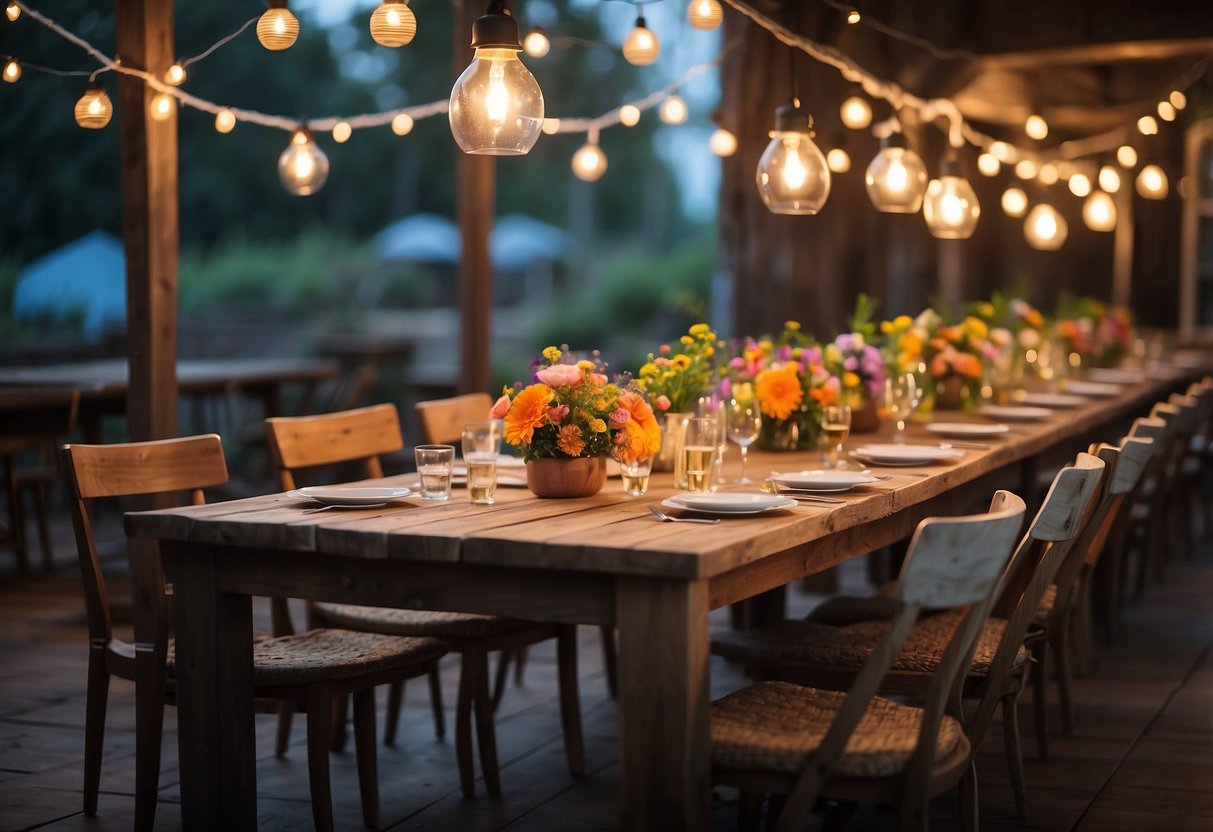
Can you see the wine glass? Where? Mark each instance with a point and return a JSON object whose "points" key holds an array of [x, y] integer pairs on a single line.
{"points": [[835, 428], [744, 422], [901, 395]]}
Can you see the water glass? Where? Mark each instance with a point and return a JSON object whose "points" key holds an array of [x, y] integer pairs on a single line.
{"points": [[636, 475], [700, 452], [711, 405], [481, 447], [434, 470], [744, 421], [901, 395], [835, 428]]}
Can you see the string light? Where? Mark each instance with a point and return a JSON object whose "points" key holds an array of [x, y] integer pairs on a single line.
{"points": [[402, 124], [175, 74], [1109, 179], [225, 121], [589, 162], [723, 143], [1099, 212], [551, 126], [1014, 202], [342, 132], [1152, 182], [12, 71], [12, 11], [1002, 151], [1080, 184], [1147, 126], [1126, 156], [1166, 111], [277, 28], [853, 16], [1036, 127], [162, 106], [94, 109], [1026, 169], [951, 208], [1048, 174], [673, 110], [988, 164], [838, 160], [792, 175], [856, 112], [496, 106], [705, 14], [303, 167], [1178, 99], [536, 43], [393, 24], [896, 177], [1045, 229], [629, 115], [641, 47]]}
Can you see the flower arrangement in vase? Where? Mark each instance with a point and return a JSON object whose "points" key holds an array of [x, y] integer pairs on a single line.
{"points": [[952, 358], [673, 379], [1093, 333], [569, 419], [857, 363]]}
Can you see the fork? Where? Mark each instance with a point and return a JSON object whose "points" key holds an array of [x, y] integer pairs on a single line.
{"points": [[661, 515]]}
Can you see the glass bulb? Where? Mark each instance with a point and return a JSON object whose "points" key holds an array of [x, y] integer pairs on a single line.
{"points": [[896, 180], [723, 143], [393, 24], [1048, 174], [838, 160], [1166, 111], [402, 124], [1099, 212], [589, 162], [853, 16], [303, 167], [1002, 151], [225, 121], [536, 43], [1109, 179], [551, 126], [704, 14], [1036, 127], [673, 110], [175, 75], [94, 109], [641, 47], [1178, 99], [988, 164], [1045, 229], [12, 70], [855, 112], [629, 115], [342, 132], [1014, 202], [12, 11], [162, 106], [1080, 184], [496, 106], [951, 208], [793, 176], [277, 28], [1026, 169], [1147, 126], [1152, 182], [1126, 155]]}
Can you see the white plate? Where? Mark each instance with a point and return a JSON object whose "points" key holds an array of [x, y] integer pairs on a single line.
{"points": [[1094, 389], [350, 495], [1115, 375], [1053, 400], [967, 428], [905, 454], [823, 480], [1012, 413], [729, 503]]}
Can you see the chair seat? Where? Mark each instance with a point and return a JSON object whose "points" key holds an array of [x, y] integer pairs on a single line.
{"points": [[776, 726], [806, 642], [842, 610], [398, 622]]}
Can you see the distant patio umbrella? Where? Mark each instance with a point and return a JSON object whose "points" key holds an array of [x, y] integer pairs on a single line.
{"points": [[88, 274], [420, 238], [519, 241]]}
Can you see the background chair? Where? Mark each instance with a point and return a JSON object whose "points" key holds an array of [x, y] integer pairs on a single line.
{"points": [[309, 669]]}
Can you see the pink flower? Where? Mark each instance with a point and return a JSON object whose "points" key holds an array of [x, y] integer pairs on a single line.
{"points": [[663, 403], [560, 375], [620, 417], [665, 349], [500, 407], [556, 414]]}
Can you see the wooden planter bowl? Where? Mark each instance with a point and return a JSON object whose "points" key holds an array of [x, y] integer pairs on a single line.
{"points": [[563, 478]]}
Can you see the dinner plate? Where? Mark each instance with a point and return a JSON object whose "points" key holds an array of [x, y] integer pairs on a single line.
{"points": [[1116, 375], [1013, 413], [729, 503], [961, 429], [1053, 400], [350, 495], [1094, 389], [822, 480], [887, 454]]}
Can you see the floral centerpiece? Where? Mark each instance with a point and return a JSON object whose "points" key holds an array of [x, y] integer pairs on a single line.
{"points": [[1093, 333], [572, 413], [951, 357], [859, 366], [673, 379]]}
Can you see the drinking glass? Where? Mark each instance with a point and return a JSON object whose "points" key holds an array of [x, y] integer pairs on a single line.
{"points": [[711, 405], [744, 421], [636, 475], [901, 394], [835, 428], [481, 447], [434, 470], [700, 451]]}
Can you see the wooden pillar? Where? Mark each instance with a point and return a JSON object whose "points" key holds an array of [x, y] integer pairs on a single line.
{"points": [[1122, 243], [149, 221], [476, 197]]}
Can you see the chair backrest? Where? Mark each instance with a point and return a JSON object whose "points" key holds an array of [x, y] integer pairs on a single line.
{"points": [[442, 420], [328, 438], [189, 464]]}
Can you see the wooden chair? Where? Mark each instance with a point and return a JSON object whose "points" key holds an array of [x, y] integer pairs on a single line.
{"points": [[825, 656], [310, 669], [306, 441], [805, 742]]}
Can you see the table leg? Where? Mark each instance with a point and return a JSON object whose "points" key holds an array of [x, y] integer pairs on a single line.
{"points": [[214, 694], [663, 704]]}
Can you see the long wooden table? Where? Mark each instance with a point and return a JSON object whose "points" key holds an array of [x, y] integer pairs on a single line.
{"points": [[599, 560]]}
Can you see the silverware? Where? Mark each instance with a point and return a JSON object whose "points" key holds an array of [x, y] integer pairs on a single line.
{"points": [[976, 446], [319, 508], [666, 518]]}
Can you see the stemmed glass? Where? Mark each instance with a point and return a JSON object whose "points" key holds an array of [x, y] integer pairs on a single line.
{"points": [[901, 395], [744, 422], [835, 428]]}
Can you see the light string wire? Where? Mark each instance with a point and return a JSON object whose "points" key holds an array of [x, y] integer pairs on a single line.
{"points": [[914, 40], [221, 42]]}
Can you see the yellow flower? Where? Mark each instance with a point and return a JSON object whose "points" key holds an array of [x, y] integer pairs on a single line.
{"points": [[779, 392], [598, 426], [649, 369], [699, 329], [985, 309], [552, 354], [529, 411], [586, 365], [687, 339], [977, 327], [791, 326], [681, 362], [850, 380]]}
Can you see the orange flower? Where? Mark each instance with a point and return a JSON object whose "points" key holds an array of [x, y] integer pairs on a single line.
{"points": [[529, 411], [642, 434], [967, 364], [570, 441], [779, 392], [939, 366]]}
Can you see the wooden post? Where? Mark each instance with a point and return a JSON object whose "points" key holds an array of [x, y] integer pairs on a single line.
{"points": [[476, 197], [149, 222], [1122, 244]]}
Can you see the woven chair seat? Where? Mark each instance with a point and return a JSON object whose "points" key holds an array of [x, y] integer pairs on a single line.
{"points": [[419, 622], [776, 726]]}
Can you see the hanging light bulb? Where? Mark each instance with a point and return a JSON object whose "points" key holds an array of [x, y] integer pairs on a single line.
{"points": [[1080, 184], [1147, 126], [162, 106], [896, 177], [1178, 99], [1014, 202], [792, 175], [1026, 169], [641, 46], [402, 124], [1045, 229], [1099, 212], [1002, 151], [589, 162], [1036, 127], [496, 106], [94, 109], [393, 24], [723, 143], [1166, 111], [303, 167], [1109, 179], [12, 71], [704, 14], [853, 16], [342, 132], [1048, 174], [1126, 155], [536, 43], [673, 110], [277, 28], [12, 11], [175, 74], [988, 164], [951, 208], [225, 121], [629, 115], [551, 126], [838, 160], [1152, 182], [856, 112]]}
